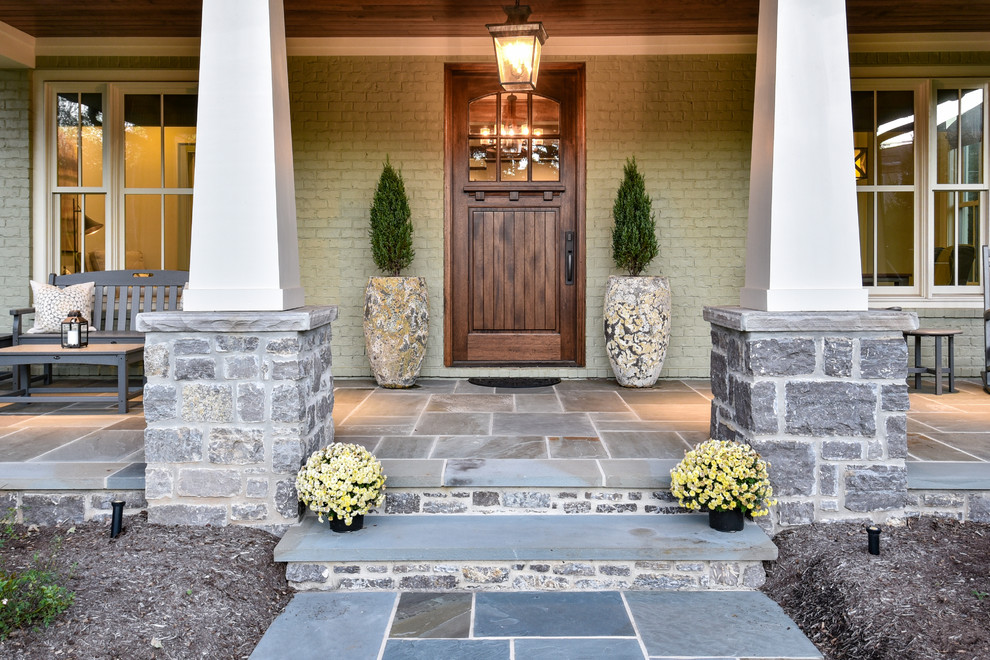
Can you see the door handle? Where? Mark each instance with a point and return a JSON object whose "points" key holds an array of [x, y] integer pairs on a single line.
{"points": [[568, 257]]}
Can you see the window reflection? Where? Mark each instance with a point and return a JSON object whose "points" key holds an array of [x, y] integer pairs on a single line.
{"points": [[79, 122], [82, 237], [883, 155], [959, 135], [514, 137]]}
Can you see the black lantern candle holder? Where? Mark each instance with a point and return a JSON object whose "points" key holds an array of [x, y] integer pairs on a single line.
{"points": [[75, 330]]}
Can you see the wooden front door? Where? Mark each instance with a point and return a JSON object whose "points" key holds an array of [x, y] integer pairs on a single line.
{"points": [[514, 243]]}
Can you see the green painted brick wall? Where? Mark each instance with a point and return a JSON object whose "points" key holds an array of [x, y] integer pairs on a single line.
{"points": [[686, 119], [15, 192]]}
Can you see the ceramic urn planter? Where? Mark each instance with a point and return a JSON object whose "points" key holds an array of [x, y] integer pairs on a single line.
{"points": [[396, 327], [637, 328]]}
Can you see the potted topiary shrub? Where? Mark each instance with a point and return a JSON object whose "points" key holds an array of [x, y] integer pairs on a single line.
{"points": [[637, 309], [396, 309]]}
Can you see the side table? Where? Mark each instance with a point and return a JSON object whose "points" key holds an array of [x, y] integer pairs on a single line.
{"points": [[938, 369]]}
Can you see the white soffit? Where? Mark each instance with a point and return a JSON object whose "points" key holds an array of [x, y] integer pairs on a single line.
{"points": [[16, 48], [19, 46]]}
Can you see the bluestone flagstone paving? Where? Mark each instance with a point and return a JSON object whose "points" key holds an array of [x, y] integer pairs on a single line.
{"points": [[428, 615], [578, 649], [607, 625], [954, 428], [732, 624], [551, 614]]}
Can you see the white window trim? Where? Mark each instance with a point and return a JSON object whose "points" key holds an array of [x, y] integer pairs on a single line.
{"points": [[925, 294], [114, 81]]}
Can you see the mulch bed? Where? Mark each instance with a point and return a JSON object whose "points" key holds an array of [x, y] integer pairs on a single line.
{"points": [[923, 598], [154, 591], [201, 592]]}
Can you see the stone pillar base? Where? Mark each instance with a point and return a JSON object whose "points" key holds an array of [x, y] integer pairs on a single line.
{"points": [[822, 396], [234, 403]]}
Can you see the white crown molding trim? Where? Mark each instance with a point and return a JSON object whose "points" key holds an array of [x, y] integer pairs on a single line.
{"points": [[555, 47], [16, 48], [921, 42], [23, 48], [120, 47]]}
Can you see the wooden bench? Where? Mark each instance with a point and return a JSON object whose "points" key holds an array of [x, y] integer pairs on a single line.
{"points": [[118, 297], [6, 340]]}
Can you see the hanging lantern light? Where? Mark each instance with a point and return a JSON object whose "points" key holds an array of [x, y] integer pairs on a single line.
{"points": [[517, 49]]}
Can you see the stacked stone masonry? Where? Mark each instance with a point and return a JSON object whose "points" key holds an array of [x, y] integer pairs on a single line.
{"points": [[824, 401], [956, 504], [515, 501], [45, 508], [231, 416], [528, 576]]}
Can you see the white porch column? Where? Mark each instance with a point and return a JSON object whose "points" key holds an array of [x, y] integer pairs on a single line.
{"points": [[244, 253], [802, 247]]}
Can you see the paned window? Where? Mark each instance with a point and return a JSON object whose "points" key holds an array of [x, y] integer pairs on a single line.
{"points": [[920, 159], [121, 166]]}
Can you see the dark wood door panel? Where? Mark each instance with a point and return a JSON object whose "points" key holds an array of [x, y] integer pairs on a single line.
{"points": [[514, 264], [523, 346]]}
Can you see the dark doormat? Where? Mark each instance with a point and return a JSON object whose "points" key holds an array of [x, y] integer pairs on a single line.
{"points": [[514, 382]]}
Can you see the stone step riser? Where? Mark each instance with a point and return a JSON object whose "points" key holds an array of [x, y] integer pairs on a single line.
{"points": [[534, 501], [591, 575]]}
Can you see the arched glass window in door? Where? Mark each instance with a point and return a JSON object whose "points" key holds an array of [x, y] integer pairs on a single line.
{"points": [[514, 137]]}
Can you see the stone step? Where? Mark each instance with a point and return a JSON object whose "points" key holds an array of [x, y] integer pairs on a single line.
{"points": [[542, 552], [610, 624], [519, 472], [526, 486]]}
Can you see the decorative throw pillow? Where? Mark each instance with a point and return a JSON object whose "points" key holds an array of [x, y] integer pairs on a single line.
{"points": [[52, 304]]}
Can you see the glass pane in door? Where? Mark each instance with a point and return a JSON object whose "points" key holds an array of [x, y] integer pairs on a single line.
{"points": [[546, 116], [514, 156], [483, 163], [515, 115], [546, 160], [481, 116]]}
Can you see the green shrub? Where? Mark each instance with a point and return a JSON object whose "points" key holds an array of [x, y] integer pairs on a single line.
{"points": [[391, 227], [30, 597], [634, 239]]}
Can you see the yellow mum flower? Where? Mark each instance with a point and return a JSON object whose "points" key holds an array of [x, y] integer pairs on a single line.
{"points": [[723, 475], [341, 480]]}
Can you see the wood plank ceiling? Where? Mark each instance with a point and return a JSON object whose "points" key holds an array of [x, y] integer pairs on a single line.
{"points": [[467, 18]]}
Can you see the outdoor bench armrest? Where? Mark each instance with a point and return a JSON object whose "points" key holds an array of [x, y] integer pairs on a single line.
{"points": [[16, 330]]}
